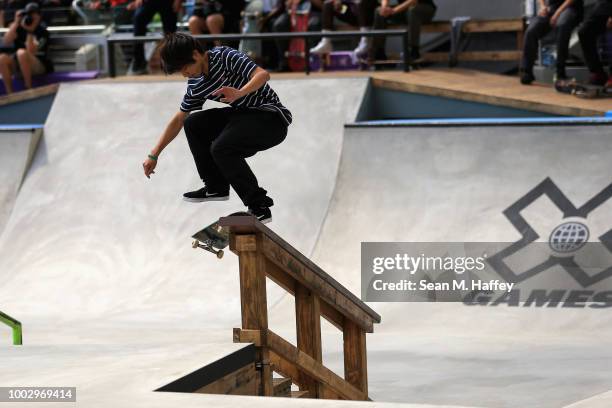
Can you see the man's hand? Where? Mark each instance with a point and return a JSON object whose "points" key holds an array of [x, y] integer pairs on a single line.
{"points": [[543, 11], [554, 19], [229, 94], [386, 11], [149, 167], [609, 25]]}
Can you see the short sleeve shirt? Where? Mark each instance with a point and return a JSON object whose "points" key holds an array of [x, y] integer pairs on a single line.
{"points": [[231, 68]]}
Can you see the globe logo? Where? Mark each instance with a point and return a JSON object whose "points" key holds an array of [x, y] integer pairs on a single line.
{"points": [[568, 237]]}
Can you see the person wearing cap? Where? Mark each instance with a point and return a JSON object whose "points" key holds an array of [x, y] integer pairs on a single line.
{"points": [[29, 37]]}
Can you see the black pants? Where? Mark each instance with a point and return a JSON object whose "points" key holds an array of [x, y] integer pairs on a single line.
{"points": [[415, 17], [144, 15], [594, 25], [357, 14], [540, 26], [221, 139]]}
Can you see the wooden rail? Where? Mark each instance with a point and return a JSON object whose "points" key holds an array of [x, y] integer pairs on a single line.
{"points": [[263, 254]]}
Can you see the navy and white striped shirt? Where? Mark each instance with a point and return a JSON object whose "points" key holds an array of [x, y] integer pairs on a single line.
{"points": [[228, 67]]}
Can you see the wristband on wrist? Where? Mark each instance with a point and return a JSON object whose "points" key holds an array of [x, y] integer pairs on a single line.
{"points": [[152, 157]]}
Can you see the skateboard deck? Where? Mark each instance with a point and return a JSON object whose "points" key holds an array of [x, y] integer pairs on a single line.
{"points": [[583, 90], [592, 91], [296, 56], [251, 18], [214, 238]]}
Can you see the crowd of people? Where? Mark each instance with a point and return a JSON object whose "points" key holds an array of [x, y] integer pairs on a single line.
{"points": [[24, 47], [566, 16]]}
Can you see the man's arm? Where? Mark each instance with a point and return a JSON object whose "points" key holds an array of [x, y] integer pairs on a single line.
{"points": [[11, 34], [400, 8], [562, 7], [259, 77], [543, 8], [172, 130]]}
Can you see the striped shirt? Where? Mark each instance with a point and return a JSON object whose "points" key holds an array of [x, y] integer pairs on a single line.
{"points": [[228, 67]]}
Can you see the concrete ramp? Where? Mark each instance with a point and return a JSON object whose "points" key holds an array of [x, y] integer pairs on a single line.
{"points": [[17, 148], [91, 236], [444, 184]]}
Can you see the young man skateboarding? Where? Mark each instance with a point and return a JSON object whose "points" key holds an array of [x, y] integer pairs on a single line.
{"points": [[221, 139]]}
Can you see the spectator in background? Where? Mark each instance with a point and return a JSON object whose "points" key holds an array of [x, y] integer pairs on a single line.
{"points": [[216, 17], [30, 38], [564, 15], [143, 14], [352, 12], [414, 13], [281, 17], [9, 7], [594, 25]]}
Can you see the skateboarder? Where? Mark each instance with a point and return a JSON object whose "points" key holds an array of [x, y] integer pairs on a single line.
{"points": [[594, 25], [221, 139]]}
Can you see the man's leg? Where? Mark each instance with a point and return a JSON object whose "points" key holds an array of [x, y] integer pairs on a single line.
{"points": [[6, 69], [282, 24], [417, 16], [365, 19], [593, 26], [168, 16], [568, 20], [142, 17], [29, 66], [201, 129], [538, 27], [325, 45], [247, 133], [377, 48]]}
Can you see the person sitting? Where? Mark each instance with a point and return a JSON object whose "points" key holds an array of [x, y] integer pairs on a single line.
{"points": [[216, 17], [564, 15], [354, 13], [594, 25], [143, 14], [415, 13], [281, 16], [30, 39]]}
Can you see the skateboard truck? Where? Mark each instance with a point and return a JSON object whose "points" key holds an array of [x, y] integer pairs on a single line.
{"points": [[207, 247]]}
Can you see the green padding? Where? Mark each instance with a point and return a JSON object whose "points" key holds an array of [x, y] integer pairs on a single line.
{"points": [[15, 325]]}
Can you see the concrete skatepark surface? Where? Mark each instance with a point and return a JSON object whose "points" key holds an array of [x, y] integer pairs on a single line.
{"points": [[96, 260]]}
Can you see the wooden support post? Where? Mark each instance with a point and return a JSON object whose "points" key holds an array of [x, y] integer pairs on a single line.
{"points": [[308, 325], [355, 358], [253, 299]]}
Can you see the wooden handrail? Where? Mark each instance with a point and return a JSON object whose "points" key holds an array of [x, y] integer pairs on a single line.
{"points": [[286, 256], [263, 254]]}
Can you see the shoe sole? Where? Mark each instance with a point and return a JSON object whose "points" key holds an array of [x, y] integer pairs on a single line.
{"points": [[201, 200], [266, 220]]}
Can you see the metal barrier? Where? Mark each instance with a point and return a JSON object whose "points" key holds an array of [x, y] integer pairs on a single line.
{"points": [[129, 38], [15, 325]]}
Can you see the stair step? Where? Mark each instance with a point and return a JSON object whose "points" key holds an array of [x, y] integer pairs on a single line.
{"points": [[281, 387], [299, 394]]}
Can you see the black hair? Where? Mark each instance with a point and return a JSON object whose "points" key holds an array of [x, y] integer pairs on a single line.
{"points": [[177, 51]]}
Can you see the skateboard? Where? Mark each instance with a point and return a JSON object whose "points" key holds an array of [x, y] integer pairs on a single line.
{"points": [[583, 90], [296, 55], [251, 17], [214, 237]]}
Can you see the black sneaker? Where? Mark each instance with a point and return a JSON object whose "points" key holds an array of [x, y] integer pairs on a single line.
{"points": [[263, 214], [203, 194], [527, 78]]}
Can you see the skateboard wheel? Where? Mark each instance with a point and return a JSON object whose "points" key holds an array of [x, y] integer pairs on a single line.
{"points": [[195, 244], [220, 254]]}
